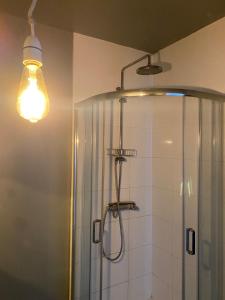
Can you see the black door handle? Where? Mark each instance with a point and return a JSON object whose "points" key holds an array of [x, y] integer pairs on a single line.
{"points": [[96, 223], [190, 241]]}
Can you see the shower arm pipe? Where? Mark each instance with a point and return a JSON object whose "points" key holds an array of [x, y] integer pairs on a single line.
{"points": [[148, 56]]}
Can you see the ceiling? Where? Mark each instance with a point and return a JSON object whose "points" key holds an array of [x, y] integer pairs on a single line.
{"points": [[142, 24]]}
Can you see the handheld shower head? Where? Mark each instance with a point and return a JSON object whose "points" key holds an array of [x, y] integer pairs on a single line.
{"points": [[149, 69]]}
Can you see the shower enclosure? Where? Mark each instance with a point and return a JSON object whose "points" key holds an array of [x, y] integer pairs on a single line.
{"points": [[171, 225]]}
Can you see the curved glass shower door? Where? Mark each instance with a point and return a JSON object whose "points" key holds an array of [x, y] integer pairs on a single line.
{"points": [[203, 199], [173, 191]]}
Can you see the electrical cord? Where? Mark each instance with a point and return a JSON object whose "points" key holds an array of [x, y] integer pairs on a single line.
{"points": [[30, 16]]}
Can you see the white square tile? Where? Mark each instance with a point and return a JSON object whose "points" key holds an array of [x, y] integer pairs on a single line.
{"points": [[140, 231], [167, 173], [162, 234], [162, 203], [140, 288], [160, 291], [167, 140], [140, 261], [139, 139], [142, 196], [118, 292], [162, 265], [115, 273], [167, 110], [141, 172], [135, 112]]}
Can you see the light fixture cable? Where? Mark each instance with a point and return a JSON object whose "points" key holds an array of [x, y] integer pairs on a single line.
{"points": [[30, 16]]}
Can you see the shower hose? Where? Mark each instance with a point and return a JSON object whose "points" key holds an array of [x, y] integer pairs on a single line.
{"points": [[118, 168]]}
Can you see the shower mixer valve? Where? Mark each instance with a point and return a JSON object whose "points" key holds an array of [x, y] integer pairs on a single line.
{"points": [[118, 152], [124, 205]]}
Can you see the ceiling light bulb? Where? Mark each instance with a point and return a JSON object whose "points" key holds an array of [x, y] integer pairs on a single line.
{"points": [[32, 102]]}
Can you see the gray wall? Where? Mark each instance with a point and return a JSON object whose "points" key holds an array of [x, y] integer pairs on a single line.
{"points": [[35, 167]]}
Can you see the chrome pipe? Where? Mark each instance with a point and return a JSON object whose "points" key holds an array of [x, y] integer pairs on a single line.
{"points": [[148, 56]]}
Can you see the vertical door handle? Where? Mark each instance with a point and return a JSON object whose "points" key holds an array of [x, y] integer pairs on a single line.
{"points": [[97, 228], [190, 241]]}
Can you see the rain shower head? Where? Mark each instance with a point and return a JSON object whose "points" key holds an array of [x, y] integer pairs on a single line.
{"points": [[149, 69]]}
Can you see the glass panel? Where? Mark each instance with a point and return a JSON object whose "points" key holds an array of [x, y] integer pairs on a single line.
{"points": [[89, 166], [203, 203], [84, 150], [98, 169], [190, 194], [210, 202]]}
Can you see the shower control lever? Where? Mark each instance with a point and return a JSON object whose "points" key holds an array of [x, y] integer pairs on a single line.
{"points": [[97, 224], [190, 241], [124, 205]]}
